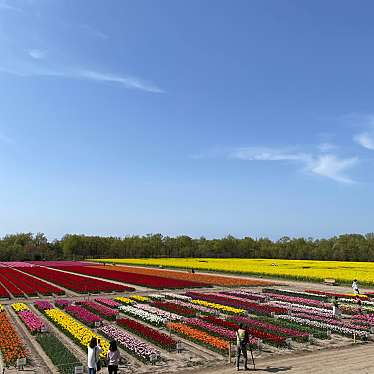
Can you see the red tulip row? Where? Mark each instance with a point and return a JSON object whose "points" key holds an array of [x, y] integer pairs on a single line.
{"points": [[148, 333], [151, 281], [75, 282], [178, 309], [21, 283], [101, 310]]}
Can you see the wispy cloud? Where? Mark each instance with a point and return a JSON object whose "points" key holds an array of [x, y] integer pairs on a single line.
{"points": [[5, 5], [39, 70], [325, 165], [327, 147], [94, 31], [365, 139], [37, 54]]}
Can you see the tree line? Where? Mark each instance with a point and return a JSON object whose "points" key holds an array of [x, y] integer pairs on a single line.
{"points": [[28, 246]]}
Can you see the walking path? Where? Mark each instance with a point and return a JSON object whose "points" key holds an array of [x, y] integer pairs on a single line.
{"points": [[357, 359]]}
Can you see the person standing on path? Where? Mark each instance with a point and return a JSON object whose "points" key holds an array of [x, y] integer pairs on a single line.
{"points": [[355, 287], [93, 355], [113, 356], [242, 340]]}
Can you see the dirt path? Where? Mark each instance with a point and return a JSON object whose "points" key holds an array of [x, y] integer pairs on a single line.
{"points": [[349, 360]]}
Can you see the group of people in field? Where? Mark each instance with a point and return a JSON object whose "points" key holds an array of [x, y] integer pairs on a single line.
{"points": [[93, 357]]}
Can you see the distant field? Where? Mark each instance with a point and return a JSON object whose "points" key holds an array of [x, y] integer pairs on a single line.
{"points": [[295, 269]]}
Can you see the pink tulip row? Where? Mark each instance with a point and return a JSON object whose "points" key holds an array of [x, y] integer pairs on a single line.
{"points": [[102, 310], [300, 300], [43, 305], [31, 320], [245, 295], [83, 314], [108, 302]]}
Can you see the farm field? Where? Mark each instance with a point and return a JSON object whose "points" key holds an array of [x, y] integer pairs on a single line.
{"points": [[304, 270], [52, 331]]}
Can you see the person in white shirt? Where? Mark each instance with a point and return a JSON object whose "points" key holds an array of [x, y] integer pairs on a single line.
{"points": [[355, 287], [93, 355]]}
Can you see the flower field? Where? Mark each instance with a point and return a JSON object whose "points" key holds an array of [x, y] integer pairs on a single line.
{"points": [[150, 281], [293, 269], [203, 278], [75, 282], [11, 345]]}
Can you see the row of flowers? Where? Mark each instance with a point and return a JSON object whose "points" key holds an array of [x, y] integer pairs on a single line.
{"points": [[107, 302], [143, 315], [159, 312], [81, 334], [199, 336], [245, 295], [139, 298], [177, 296], [83, 315], [29, 285], [327, 326], [11, 345], [75, 282], [175, 308], [33, 323], [124, 300], [148, 333], [219, 307], [129, 343], [18, 307], [43, 305], [103, 311], [198, 308]]}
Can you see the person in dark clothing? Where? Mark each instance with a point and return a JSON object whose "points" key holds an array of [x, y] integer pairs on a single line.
{"points": [[242, 340]]}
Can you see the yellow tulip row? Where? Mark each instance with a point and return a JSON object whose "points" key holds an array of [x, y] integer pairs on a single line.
{"points": [[140, 298], [124, 300], [80, 333], [1, 308], [220, 307], [19, 307]]}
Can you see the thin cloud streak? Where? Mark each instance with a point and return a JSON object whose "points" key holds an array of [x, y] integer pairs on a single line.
{"points": [[30, 70], [94, 32], [37, 54], [325, 165]]}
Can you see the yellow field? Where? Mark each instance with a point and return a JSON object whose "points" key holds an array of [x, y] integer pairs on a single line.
{"points": [[295, 269]]}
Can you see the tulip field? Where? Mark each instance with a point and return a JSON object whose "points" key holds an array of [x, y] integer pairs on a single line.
{"points": [[308, 270], [149, 322]]}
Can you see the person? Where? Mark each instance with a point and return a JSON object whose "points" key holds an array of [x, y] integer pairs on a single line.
{"points": [[359, 304], [113, 356], [241, 345], [355, 287], [335, 307], [93, 355]]}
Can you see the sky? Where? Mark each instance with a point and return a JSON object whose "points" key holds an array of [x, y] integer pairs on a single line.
{"points": [[201, 118]]}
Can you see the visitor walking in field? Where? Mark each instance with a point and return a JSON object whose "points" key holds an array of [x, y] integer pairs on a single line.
{"points": [[242, 340], [335, 307], [113, 356], [93, 356], [355, 287], [359, 304]]}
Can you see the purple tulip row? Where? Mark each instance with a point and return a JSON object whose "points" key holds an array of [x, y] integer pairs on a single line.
{"points": [[43, 305], [108, 302]]}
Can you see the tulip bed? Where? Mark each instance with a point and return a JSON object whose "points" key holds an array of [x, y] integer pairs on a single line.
{"points": [[61, 357], [62, 303], [18, 307], [159, 312], [162, 340], [4, 294], [75, 282], [328, 326], [257, 334], [139, 298], [200, 337], [175, 308], [101, 310], [83, 315], [1, 308], [33, 323], [27, 284], [177, 296], [10, 343], [75, 330], [219, 307], [124, 300], [43, 305], [245, 295], [198, 308], [150, 281], [143, 315], [10, 287], [134, 346], [107, 302]]}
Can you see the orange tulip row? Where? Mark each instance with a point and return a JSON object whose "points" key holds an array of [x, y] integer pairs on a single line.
{"points": [[10, 343], [199, 336]]}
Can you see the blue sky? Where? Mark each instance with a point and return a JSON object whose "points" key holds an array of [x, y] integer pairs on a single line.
{"points": [[186, 117]]}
